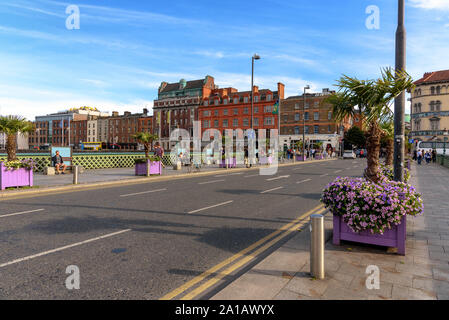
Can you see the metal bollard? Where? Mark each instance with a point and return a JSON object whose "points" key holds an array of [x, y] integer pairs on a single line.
{"points": [[317, 246], [148, 168], [75, 174]]}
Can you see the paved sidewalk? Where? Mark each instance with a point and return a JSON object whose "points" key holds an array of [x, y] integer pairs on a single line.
{"points": [[422, 274]]}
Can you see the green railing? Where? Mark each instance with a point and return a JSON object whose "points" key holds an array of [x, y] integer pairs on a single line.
{"points": [[443, 160], [95, 160]]}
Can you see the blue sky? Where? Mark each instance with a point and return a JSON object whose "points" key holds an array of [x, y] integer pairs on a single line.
{"points": [[124, 49]]}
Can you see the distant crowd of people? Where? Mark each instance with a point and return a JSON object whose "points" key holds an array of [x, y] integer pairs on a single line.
{"points": [[428, 156]]}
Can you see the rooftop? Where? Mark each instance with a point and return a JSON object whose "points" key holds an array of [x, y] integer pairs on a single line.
{"points": [[434, 77]]}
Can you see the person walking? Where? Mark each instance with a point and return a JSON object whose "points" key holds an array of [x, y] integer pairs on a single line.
{"points": [[427, 157], [434, 156], [419, 157], [159, 151]]}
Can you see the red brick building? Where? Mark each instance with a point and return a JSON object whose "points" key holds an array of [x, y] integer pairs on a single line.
{"points": [[227, 108]]}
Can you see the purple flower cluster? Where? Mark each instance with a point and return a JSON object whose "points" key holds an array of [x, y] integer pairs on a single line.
{"points": [[387, 173], [365, 205]]}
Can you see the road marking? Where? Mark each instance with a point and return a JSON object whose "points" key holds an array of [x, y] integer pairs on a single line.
{"points": [[277, 178], [338, 171], [250, 176], [274, 189], [210, 207], [244, 261], [228, 261], [229, 174], [304, 181], [214, 181], [144, 192], [19, 213], [323, 175], [62, 248]]}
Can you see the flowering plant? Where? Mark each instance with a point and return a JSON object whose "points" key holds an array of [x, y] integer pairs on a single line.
{"points": [[365, 205], [17, 164], [144, 160], [388, 173]]}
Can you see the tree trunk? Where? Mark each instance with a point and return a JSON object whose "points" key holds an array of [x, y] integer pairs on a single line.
{"points": [[373, 148], [390, 152], [147, 150], [11, 145]]}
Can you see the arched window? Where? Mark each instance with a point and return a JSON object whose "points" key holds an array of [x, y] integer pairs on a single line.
{"points": [[438, 106], [432, 90], [438, 90]]}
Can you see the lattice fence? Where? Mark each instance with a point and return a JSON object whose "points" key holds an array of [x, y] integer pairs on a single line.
{"points": [[40, 162]]}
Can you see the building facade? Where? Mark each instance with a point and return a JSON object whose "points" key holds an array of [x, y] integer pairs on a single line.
{"points": [[310, 114], [227, 108], [430, 107], [177, 106], [21, 139], [122, 128]]}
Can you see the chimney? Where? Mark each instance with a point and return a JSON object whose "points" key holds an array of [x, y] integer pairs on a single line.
{"points": [[281, 88], [145, 111], [162, 86], [115, 113], [127, 113], [256, 89]]}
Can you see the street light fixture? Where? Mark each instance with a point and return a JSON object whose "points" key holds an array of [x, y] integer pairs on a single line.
{"points": [[254, 57], [304, 123]]}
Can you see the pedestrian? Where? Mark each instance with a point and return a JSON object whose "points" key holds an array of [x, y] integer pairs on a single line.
{"points": [[428, 157], [419, 157], [159, 151], [434, 156], [415, 155]]}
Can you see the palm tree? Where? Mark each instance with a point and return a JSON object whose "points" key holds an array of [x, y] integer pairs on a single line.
{"points": [[146, 139], [388, 138], [371, 100], [11, 126]]}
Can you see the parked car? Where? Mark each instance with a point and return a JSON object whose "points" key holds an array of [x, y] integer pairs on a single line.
{"points": [[349, 154]]}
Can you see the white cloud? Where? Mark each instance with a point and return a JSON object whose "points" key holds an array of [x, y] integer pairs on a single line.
{"points": [[430, 4]]}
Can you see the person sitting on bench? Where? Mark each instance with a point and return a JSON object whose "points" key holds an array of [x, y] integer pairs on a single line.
{"points": [[58, 163]]}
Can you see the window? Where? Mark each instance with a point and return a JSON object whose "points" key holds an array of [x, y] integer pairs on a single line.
{"points": [[215, 123], [432, 90], [256, 122], [245, 110], [306, 106], [434, 124], [438, 90], [235, 122], [256, 98], [225, 101], [225, 123], [296, 106], [438, 106], [269, 97], [306, 129], [216, 113], [329, 128], [206, 113], [206, 124], [269, 121], [417, 125], [285, 118], [296, 130], [316, 104], [432, 106], [236, 111], [297, 117], [225, 112], [316, 116], [245, 122], [245, 99], [316, 129], [256, 109], [306, 116], [329, 115], [217, 101], [236, 100], [268, 109]]}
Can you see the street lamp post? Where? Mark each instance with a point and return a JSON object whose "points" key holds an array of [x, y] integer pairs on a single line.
{"points": [[446, 133], [254, 57], [399, 103], [304, 123]]}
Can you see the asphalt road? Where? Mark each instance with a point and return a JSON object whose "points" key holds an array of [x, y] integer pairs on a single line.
{"points": [[143, 241]]}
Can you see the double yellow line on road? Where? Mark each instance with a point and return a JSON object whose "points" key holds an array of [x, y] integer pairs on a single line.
{"points": [[247, 255]]}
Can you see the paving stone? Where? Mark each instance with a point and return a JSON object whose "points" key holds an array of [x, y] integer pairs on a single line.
{"points": [[359, 284], [440, 274], [405, 293], [306, 286]]}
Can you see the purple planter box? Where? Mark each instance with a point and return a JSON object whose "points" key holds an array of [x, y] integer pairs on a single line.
{"points": [[300, 158], [394, 237], [155, 168], [21, 177], [319, 157], [231, 164], [266, 160]]}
